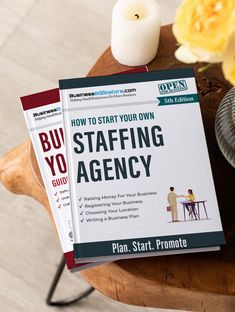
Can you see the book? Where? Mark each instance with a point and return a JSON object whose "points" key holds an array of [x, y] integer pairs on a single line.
{"points": [[135, 145], [43, 115]]}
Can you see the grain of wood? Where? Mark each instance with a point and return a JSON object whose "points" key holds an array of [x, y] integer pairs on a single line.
{"points": [[41, 41]]}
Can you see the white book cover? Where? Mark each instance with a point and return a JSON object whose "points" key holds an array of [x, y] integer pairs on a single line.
{"points": [[139, 170], [43, 114]]}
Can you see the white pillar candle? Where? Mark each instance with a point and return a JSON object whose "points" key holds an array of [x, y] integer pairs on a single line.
{"points": [[135, 31]]}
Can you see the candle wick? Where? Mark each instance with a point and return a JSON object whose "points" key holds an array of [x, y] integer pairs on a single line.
{"points": [[137, 16]]}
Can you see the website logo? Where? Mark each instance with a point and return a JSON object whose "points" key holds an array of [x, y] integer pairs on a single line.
{"points": [[172, 86], [102, 93], [46, 112]]}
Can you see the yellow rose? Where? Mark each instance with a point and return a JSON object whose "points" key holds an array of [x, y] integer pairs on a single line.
{"points": [[228, 65], [189, 55], [205, 24]]}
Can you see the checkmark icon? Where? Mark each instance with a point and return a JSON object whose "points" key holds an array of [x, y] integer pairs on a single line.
{"points": [[82, 220], [80, 198], [80, 206], [58, 200], [56, 193], [81, 213], [59, 206]]}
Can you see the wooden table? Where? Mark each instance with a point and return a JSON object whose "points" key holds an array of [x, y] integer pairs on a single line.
{"points": [[194, 282]]}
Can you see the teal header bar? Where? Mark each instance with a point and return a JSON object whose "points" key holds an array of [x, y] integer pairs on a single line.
{"points": [[178, 99], [126, 78]]}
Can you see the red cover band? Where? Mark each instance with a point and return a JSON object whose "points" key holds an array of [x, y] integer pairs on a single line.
{"points": [[40, 99]]}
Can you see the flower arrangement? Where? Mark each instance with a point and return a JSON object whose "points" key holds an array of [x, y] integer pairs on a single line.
{"points": [[205, 30]]}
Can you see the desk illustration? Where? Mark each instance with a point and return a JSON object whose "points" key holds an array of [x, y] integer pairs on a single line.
{"points": [[197, 207]]}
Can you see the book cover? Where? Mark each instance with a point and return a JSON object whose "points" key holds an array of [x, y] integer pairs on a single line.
{"points": [[139, 170], [43, 114]]}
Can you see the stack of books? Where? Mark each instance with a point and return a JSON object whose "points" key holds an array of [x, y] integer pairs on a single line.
{"points": [[125, 166]]}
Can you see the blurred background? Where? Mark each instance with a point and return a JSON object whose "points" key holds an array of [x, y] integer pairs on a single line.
{"points": [[42, 41]]}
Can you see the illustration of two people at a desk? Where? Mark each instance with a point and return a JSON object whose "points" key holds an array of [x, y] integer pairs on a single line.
{"points": [[189, 204]]}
